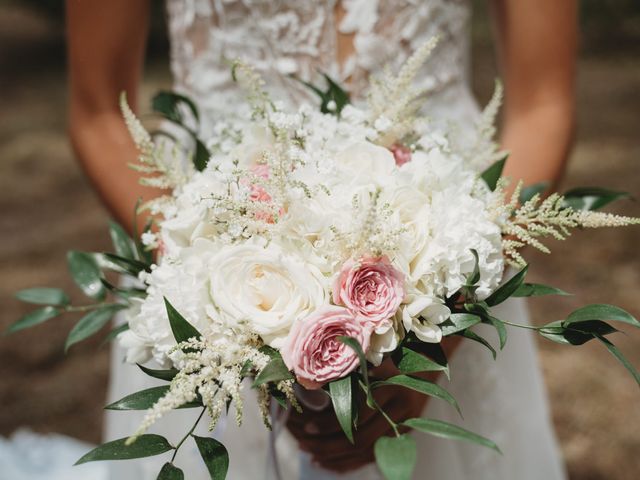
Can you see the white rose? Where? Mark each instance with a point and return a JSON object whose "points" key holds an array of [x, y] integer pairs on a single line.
{"points": [[264, 287], [365, 162]]}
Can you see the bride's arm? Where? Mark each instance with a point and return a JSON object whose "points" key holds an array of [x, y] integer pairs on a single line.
{"points": [[536, 44], [106, 44]]}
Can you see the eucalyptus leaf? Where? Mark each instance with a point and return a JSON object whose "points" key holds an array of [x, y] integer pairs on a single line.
{"points": [[474, 278], [145, 399], [274, 371], [170, 472], [575, 334], [43, 296], [537, 290], [458, 322], [477, 338], [500, 328], [342, 399], [447, 430], [115, 332], [620, 357], [131, 266], [396, 456], [492, 174], [181, 328], [419, 385], [168, 104], [33, 318], [86, 274], [507, 289], [356, 347], [91, 323], [167, 375], [201, 155], [530, 191], [122, 243], [409, 361], [601, 312], [145, 446], [592, 198], [215, 456]]}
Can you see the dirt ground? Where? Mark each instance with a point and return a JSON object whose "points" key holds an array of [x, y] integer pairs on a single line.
{"points": [[47, 207]]}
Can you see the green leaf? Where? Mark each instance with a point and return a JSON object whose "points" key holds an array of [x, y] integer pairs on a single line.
{"points": [[201, 155], [128, 265], [275, 371], [86, 273], [170, 472], [419, 385], [575, 334], [474, 278], [592, 198], [122, 242], [492, 174], [33, 318], [396, 456], [507, 289], [620, 357], [91, 323], [537, 290], [477, 338], [458, 322], [336, 93], [342, 399], [167, 375], [601, 312], [43, 296], [182, 330], [115, 332], [124, 293], [500, 328], [168, 105], [530, 191], [408, 361], [442, 429], [356, 347], [215, 456], [145, 446], [145, 399]]}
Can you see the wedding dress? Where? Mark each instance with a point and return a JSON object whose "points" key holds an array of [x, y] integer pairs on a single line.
{"points": [[505, 399]]}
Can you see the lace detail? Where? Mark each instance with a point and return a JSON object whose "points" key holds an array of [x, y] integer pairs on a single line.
{"points": [[292, 37]]}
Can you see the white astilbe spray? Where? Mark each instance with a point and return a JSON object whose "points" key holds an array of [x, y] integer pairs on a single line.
{"points": [[253, 84], [542, 218], [163, 170], [484, 151], [392, 98], [213, 371]]}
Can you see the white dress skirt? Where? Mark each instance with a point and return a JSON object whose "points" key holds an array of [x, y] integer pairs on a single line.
{"points": [[504, 400]]}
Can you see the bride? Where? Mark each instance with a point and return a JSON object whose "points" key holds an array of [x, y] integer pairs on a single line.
{"points": [[348, 39]]}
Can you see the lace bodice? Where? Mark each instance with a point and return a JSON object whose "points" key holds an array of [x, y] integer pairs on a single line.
{"points": [[299, 37]]}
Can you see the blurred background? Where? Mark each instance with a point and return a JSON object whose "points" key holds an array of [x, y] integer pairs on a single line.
{"points": [[47, 207]]}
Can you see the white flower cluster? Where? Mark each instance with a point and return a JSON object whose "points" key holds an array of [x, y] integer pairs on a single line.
{"points": [[256, 240]]}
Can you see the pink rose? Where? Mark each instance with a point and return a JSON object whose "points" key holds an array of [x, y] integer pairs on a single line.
{"points": [[401, 154], [314, 353], [371, 288]]}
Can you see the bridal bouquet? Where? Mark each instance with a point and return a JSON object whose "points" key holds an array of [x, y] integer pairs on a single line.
{"points": [[303, 247]]}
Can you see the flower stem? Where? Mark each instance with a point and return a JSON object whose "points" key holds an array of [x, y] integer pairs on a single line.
{"points": [[177, 447]]}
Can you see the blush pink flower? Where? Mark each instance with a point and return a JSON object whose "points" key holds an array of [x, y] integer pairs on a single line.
{"points": [[314, 352], [371, 288], [401, 154], [259, 194]]}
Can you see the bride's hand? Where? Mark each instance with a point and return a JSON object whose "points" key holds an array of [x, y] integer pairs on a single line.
{"points": [[320, 434]]}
